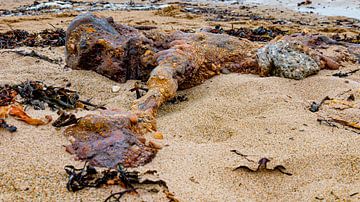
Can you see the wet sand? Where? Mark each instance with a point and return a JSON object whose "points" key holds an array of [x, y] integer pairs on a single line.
{"points": [[349, 8], [260, 117]]}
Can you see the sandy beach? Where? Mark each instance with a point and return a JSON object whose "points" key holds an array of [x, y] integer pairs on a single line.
{"points": [[258, 116]]}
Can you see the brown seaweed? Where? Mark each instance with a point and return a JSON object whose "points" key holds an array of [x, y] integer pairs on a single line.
{"points": [[88, 176], [36, 94], [258, 34], [7, 95], [262, 165], [65, 119], [18, 112], [19, 38]]}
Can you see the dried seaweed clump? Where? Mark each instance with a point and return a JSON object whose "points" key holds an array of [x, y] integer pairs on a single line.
{"points": [[38, 95], [9, 106], [262, 165], [18, 38], [258, 34], [130, 181]]}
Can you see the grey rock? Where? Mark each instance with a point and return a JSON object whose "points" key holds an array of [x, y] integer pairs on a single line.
{"points": [[286, 59]]}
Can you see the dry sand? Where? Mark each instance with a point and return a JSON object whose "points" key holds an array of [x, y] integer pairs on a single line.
{"points": [[261, 117]]}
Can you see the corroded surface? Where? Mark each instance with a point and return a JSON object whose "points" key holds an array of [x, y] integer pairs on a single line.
{"points": [[121, 52], [107, 140], [95, 44], [169, 61]]}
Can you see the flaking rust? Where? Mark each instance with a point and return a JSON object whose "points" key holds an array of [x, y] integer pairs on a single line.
{"points": [[109, 139], [169, 61]]}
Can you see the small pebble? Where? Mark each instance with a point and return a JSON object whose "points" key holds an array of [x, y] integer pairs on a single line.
{"points": [[115, 89], [225, 71], [158, 135]]}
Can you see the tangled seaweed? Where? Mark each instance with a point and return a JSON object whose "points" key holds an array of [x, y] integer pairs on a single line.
{"points": [[330, 107], [18, 38], [88, 176], [36, 94], [258, 34], [65, 119], [7, 95]]}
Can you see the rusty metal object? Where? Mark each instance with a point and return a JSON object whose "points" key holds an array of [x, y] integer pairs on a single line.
{"points": [[176, 60], [107, 140], [115, 51], [168, 61]]}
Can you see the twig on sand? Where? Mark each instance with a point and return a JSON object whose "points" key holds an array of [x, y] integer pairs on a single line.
{"points": [[242, 155], [328, 122], [34, 54], [346, 74], [347, 125], [117, 196], [316, 106]]}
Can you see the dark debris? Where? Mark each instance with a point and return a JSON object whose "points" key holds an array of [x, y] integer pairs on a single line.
{"points": [[45, 38], [346, 74], [7, 95], [345, 38], [179, 98], [262, 165], [88, 176], [316, 106], [36, 94], [258, 34], [140, 89], [6, 126], [65, 119], [261, 33]]}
